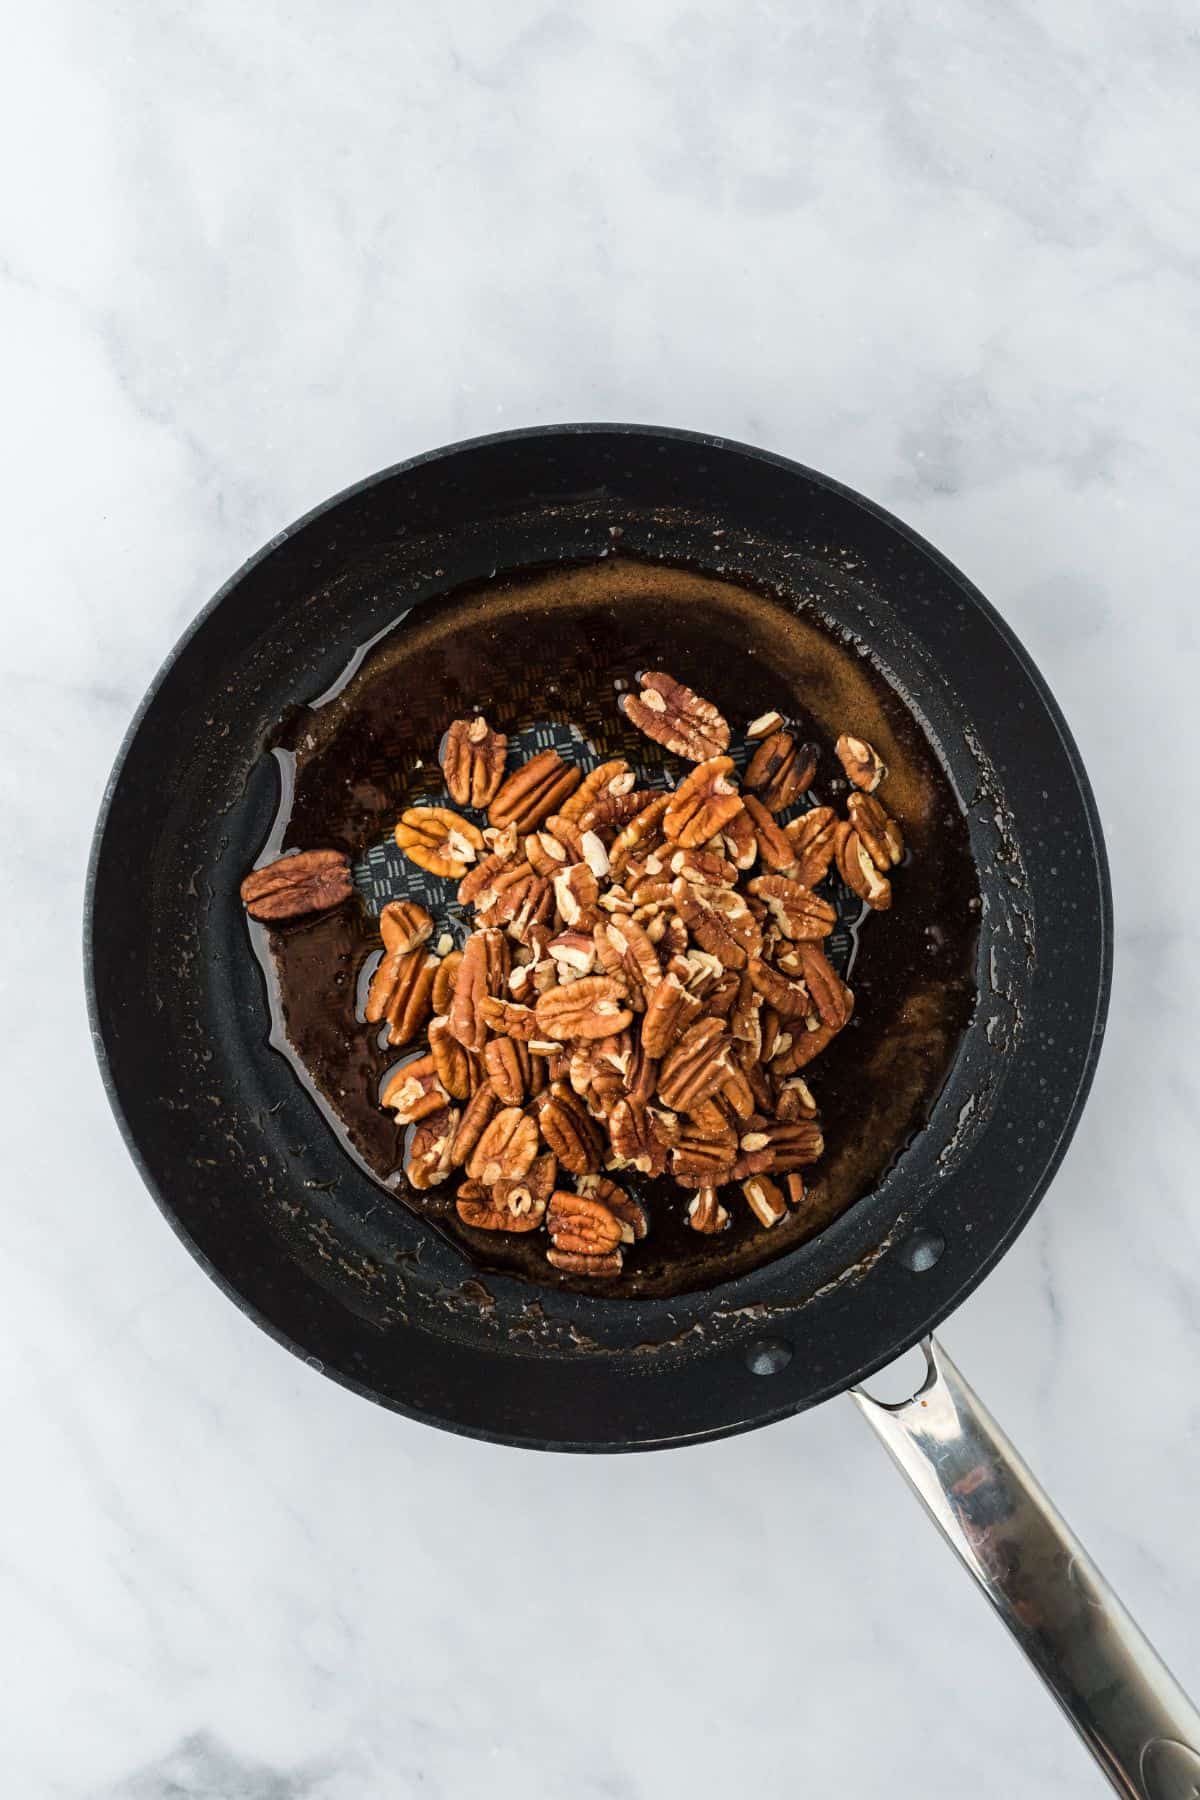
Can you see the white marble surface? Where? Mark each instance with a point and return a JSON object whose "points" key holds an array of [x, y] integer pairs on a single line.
{"points": [[249, 253]]}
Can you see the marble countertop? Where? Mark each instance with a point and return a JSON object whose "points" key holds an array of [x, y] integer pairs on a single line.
{"points": [[247, 255]]}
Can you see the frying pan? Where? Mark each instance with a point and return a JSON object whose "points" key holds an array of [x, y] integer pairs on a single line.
{"points": [[300, 1237]]}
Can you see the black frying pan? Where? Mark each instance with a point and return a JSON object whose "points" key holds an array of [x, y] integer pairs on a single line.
{"points": [[261, 1192]]}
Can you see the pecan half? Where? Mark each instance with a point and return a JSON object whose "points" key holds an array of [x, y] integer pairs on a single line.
{"points": [[812, 837], [477, 1115], [505, 1206], [781, 770], [404, 925], [576, 892], [401, 992], [478, 885], [483, 971], [765, 726], [613, 812], [703, 868], [569, 1130], [719, 920], [596, 1267], [507, 1147], [611, 780], [793, 1143], [451, 1061], [545, 854], [809, 964], [472, 758], [798, 912], [428, 1158], [636, 1137], [705, 1212], [438, 841], [737, 1094], [445, 975], [774, 845], [695, 1067], [881, 836], [507, 1063], [791, 999], [675, 717], [738, 840], [864, 766], [566, 832], [593, 1006], [795, 1100], [534, 791], [669, 1012], [765, 1199], [857, 869], [805, 1046], [579, 1223], [509, 1018], [312, 881], [641, 830], [624, 949], [703, 803], [414, 1091], [630, 1214]]}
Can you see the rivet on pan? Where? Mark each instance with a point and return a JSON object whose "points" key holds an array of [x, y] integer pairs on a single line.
{"points": [[766, 1356], [920, 1251]]}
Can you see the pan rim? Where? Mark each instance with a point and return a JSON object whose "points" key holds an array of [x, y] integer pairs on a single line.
{"points": [[1094, 1026]]}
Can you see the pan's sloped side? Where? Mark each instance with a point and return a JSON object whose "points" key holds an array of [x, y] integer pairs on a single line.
{"points": [[230, 1145]]}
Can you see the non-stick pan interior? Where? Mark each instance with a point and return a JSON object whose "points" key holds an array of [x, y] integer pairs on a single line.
{"points": [[230, 1141]]}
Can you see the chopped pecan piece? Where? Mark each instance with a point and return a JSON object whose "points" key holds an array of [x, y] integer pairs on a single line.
{"points": [[677, 718], [507, 1063], [574, 952], [882, 838], [428, 1159], [812, 837], [705, 1212], [478, 885], [857, 869], [579, 1223], [695, 1067], [765, 726], [864, 766], [781, 770], [477, 1116], [472, 758], [569, 1130], [593, 1006], [745, 1015], [611, 780], [534, 791], [414, 1091], [312, 881], [438, 841], [720, 997], [507, 1147], [805, 1046], [798, 912], [596, 1267], [765, 1199], [703, 803]]}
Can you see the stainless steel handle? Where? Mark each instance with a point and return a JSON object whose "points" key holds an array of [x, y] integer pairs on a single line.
{"points": [[1121, 1698]]}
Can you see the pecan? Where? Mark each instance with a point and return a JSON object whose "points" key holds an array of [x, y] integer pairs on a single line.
{"points": [[478, 885], [757, 1077], [312, 881], [444, 977], [593, 1006], [721, 997], [506, 1206], [613, 812], [745, 1016], [507, 1063], [507, 1147], [703, 868], [780, 770], [764, 726], [719, 920], [641, 1073], [569, 1130], [438, 841], [812, 838], [765, 1199], [595, 855], [863, 764], [611, 780], [483, 971], [774, 845], [793, 1143], [695, 1067], [508, 1018], [401, 992], [805, 1046], [631, 1215], [675, 717], [798, 912], [472, 758], [566, 832], [579, 1223], [738, 840], [576, 892], [857, 869], [501, 841], [477, 1116], [790, 999], [882, 838], [516, 898], [795, 1100], [737, 1094], [428, 1156], [794, 1183], [451, 1061], [713, 1123], [624, 949], [574, 953], [809, 964], [544, 854], [674, 938], [404, 925], [596, 1267], [527, 1196], [414, 1091], [705, 1212], [703, 802], [637, 1140], [669, 1011], [534, 791], [637, 835]]}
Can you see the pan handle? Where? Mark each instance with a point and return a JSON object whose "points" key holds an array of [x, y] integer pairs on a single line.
{"points": [[1121, 1698]]}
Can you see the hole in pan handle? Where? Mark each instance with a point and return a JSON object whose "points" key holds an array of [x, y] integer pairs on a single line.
{"points": [[1122, 1699]]}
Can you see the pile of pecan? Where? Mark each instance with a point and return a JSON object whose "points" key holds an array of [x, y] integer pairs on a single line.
{"points": [[644, 982]]}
